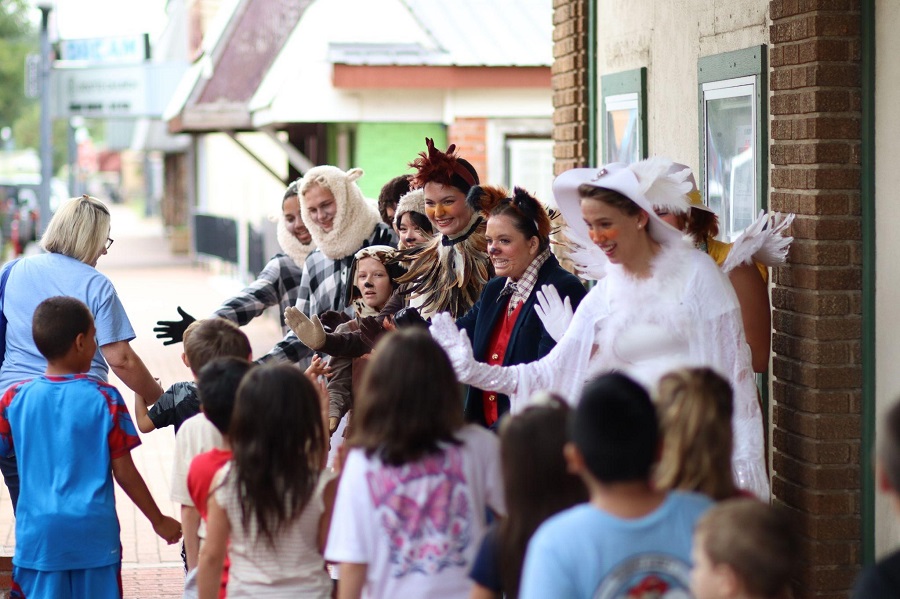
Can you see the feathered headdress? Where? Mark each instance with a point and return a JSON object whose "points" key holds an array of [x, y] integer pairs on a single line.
{"points": [[531, 208], [664, 183], [445, 168], [484, 198]]}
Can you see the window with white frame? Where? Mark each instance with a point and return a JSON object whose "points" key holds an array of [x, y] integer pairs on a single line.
{"points": [[529, 165], [623, 116], [733, 137], [623, 132]]}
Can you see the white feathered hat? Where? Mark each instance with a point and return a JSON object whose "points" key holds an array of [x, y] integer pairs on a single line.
{"points": [[646, 183]]}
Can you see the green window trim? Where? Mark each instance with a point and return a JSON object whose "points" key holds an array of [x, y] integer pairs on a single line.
{"points": [[618, 84], [750, 62], [740, 64], [867, 198], [591, 68]]}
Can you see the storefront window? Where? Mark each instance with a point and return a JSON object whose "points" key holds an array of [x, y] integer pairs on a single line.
{"points": [[623, 129], [529, 165], [733, 137], [730, 163], [624, 116]]}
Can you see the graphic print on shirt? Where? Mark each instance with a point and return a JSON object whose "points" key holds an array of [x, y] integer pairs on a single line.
{"points": [[647, 576], [425, 510]]}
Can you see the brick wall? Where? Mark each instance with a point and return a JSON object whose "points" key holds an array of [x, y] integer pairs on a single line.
{"points": [[569, 82], [815, 141], [5, 575], [470, 137]]}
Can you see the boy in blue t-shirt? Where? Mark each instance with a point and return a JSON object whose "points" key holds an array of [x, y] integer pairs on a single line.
{"points": [[630, 539], [72, 435]]}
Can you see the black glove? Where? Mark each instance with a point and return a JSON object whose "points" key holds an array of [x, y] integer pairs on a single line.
{"points": [[409, 317], [331, 319], [173, 330]]}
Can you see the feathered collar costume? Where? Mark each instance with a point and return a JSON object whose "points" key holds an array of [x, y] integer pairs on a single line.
{"points": [[448, 274], [355, 218]]}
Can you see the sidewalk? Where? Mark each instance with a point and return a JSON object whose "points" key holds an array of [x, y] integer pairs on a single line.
{"points": [[151, 283]]}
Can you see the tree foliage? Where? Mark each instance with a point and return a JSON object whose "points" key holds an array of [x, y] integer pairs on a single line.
{"points": [[18, 37]]}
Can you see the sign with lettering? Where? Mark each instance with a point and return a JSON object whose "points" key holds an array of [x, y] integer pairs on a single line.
{"points": [[126, 91], [106, 50]]}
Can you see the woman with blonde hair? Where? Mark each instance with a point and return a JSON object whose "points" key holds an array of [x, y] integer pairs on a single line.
{"points": [[695, 409], [75, 239]]}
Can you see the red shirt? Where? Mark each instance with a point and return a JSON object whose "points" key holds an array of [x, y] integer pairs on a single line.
{"points": [[200, 476], [496, 351]]}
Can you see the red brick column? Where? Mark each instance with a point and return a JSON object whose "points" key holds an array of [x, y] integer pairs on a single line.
{"points": [[470, 137], [569, 81], [815, 141]]}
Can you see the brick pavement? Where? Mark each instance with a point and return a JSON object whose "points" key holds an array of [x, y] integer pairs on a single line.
{"points": [[151, 283]]}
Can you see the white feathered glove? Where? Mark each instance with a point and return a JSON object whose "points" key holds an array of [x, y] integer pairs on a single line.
{"points": [[468, 370], [455, 342], [555, 313], [309, 331]]}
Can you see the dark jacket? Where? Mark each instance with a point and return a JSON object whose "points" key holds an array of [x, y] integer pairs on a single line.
{"points": [[529, 341]]}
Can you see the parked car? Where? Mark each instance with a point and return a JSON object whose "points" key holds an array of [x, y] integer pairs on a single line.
{"points": [[20, 207]]}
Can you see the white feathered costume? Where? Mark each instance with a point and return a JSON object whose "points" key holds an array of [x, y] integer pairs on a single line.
{"points": [[685, 314]]}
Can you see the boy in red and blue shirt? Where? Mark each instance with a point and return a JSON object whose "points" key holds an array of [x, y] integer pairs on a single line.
{"points": [[72, 435]]}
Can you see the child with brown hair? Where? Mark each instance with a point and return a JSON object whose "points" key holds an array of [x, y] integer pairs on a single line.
{"points": [[269, 507], [417, 485], [744, 549], [537, 485], [695, 415], [204, 341]]}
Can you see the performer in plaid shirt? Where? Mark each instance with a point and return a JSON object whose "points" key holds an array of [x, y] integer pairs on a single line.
{"points": [[277, 284], [341, 222]]}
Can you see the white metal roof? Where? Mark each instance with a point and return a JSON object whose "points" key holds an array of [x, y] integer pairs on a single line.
{"points": [[489, 32], [464, 33]]}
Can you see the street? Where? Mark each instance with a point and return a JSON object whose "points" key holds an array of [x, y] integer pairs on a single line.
{"points": [[151, 283]]}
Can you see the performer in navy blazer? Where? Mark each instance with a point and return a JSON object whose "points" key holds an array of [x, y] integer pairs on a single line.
{"points": [[503, 325]]}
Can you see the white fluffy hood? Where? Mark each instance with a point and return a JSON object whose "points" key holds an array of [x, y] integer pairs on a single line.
{"points": [[290, 245], [355, 218]]}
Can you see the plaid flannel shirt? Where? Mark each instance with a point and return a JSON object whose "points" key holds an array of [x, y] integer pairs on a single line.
{"points": [[277, 284], [521, 289], [323, 287]]}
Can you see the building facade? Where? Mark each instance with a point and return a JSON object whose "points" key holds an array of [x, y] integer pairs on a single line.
{"points": [[773, 104]]}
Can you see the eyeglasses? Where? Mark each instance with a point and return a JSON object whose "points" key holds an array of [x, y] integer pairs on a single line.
{"points": [[109, 242]]}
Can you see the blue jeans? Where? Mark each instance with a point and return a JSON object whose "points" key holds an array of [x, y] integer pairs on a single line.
{"points": [[10, 471]]}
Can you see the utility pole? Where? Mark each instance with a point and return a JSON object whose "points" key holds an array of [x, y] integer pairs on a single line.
{"points": [[46, 142]]}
